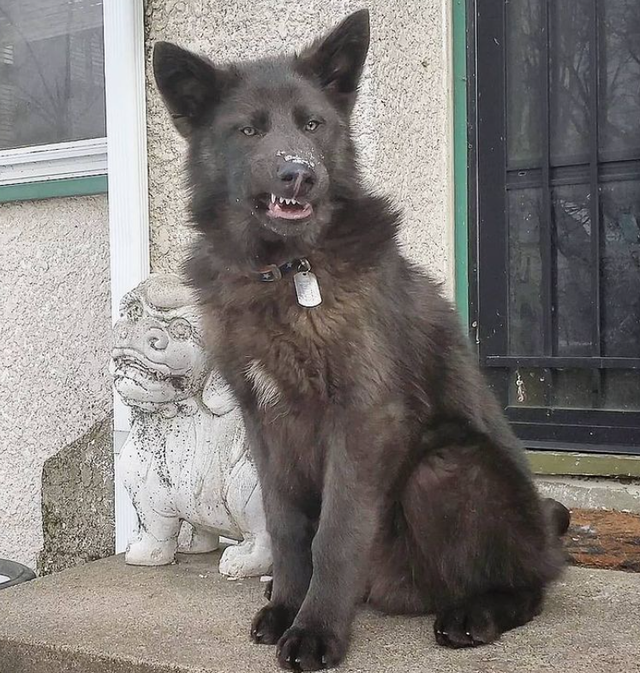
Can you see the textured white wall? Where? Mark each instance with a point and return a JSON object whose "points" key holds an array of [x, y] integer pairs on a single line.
{"points": [[402, 119], [55, 335]]}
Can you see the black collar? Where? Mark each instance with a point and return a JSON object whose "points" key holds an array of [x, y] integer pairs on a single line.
{"points": [[275, 272]]}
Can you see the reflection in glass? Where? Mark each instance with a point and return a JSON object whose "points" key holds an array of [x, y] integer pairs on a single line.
{"points": [[619, 118], [524, 82], [574, 305], [570, 73], [620, 202], [525, 272]]}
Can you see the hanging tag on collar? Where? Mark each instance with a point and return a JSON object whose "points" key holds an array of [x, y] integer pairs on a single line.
{"points": [[307, 289]]}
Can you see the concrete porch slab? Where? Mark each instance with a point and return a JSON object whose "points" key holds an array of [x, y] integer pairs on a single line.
{"points": [[105, 617]]}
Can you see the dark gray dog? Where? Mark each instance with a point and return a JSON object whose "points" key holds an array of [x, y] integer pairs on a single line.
{"points": [[388, 470]]}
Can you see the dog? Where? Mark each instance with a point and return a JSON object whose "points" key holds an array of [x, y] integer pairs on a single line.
{"points": [[389, 473]]}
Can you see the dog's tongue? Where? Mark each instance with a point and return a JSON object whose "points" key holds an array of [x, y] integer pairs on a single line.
{"points": [[289, 211]]}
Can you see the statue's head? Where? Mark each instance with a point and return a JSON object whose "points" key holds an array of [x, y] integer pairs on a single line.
{"points": [[158, 356]]}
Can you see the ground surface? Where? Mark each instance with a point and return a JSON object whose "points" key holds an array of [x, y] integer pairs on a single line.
{"points": [[105, 617]]}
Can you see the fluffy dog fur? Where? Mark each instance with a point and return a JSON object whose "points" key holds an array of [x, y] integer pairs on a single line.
{"points": [[388, 470]]}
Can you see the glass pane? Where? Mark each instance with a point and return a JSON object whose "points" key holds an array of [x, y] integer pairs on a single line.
{"points": [[51, 71], [574, 388], [524, 82], [621, 268], [620, 78], [569, 74], [529, 387], [573, 269], [558, 388], [525, 271], [621, 390], [611, 389]]}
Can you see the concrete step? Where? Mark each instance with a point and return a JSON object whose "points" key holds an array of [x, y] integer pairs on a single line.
{"points": [[105, 617]]}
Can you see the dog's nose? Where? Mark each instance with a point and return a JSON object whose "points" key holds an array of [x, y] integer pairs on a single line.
{"points": [[298, 177]]}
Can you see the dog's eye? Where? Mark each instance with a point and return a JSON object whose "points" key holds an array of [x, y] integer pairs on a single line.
{"points": [[249, 131], [311, 125]]}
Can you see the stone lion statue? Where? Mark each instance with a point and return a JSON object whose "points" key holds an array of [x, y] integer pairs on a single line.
{"points": [[186, 458]]}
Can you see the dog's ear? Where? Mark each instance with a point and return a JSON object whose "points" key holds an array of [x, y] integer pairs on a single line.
{"points": [[190, 84], [336, 61]]}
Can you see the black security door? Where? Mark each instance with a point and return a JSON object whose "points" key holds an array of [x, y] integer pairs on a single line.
{"points": [[555, 142]]}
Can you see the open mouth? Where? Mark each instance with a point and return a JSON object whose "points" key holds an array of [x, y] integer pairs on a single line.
{"points": [[287, 209], [132, 368]]}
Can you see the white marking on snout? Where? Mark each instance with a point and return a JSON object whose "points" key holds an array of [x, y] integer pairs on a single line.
{"points": [[263, 384], [294, 158]]}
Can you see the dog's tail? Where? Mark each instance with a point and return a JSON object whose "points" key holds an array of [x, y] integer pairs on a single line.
{"points": [[558, 515]]}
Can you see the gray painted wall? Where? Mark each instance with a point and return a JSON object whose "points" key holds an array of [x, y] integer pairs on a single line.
{"points": [[55, 336], [403, 119]]}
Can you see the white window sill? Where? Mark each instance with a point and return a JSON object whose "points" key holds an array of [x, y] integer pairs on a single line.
{"points": [[80, 158]]}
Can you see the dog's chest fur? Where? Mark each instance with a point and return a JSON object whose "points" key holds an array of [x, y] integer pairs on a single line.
{"points": [[287, 357]]}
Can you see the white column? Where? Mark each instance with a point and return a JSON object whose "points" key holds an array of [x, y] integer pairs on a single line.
{"points": [[128, 187]]}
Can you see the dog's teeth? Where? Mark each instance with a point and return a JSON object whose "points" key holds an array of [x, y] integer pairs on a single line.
{"points": [[287, 201], [273, 198], [281, 199]]}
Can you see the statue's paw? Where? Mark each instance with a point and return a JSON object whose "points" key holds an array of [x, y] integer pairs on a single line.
{"points": [[200, 542], [146, 551], [245, 560]]}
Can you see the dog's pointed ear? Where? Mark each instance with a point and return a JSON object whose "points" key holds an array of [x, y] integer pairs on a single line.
{"points": [[336, 61], [190, 84]]}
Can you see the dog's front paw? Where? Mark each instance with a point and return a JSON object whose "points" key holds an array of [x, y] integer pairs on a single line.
{"points": [[270, 623], [310, 649]]}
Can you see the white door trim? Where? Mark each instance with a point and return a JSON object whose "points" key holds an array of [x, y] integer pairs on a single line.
{"points": [[128, 185]]}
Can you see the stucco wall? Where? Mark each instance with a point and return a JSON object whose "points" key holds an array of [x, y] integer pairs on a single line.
{"points": [[54, 339], [402, 119]]}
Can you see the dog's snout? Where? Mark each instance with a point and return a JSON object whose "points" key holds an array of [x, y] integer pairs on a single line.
{"points": [[298, 177]]}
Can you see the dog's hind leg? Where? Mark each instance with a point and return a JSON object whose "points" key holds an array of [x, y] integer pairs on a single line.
{"points": [[392, 587], [485, 544], [482, 619]]}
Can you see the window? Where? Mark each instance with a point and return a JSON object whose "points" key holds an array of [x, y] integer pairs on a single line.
{"points": [[52, 97], [557, 217]]}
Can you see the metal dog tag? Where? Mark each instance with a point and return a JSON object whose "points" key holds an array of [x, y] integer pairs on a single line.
{"points": [[307, 289]]}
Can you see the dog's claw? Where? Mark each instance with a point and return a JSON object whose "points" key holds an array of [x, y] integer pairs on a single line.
{"points": [[308, 649]]}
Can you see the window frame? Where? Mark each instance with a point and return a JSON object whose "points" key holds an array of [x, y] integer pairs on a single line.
{"points": [[57, 161]]}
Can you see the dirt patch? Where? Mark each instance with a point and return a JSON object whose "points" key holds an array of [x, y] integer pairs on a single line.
{"points": [[603, 539]]}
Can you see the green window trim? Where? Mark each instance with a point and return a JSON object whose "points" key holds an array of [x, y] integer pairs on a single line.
{"points": [[584, 464], [542, 462], [461, 237], [48, 189]]}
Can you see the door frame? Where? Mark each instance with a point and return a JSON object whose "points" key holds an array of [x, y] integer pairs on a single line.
{"points": [[125, 86]]}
